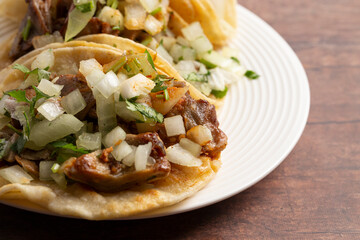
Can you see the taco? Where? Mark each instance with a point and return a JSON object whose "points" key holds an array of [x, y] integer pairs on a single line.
{"points": [[188, 42], [91, 131]]}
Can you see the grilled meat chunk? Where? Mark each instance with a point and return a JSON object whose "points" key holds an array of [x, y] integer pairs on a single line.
{"points": [[102, 172], [39, 14], [199, 112]]}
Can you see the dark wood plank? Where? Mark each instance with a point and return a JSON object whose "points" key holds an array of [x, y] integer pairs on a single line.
{"points": [[313, 194]]}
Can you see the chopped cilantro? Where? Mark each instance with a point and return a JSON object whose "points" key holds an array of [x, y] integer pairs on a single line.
{"points": [[3, 144], [26, 31], [116, 28], [85, 7], [19, 145], [19, 95], [40, 73], [236, 60], [219, 94], [208, 65], [70, 146], [166, 95], [146, 111], [150, 59], [196, 77], [251, 75], [155, 11]]}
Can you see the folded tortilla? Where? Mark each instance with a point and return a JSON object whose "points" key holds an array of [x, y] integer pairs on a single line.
{"points": [[78, 200]]}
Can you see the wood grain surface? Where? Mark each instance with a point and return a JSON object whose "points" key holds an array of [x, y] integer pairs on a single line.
{"points": [[313, 194]]}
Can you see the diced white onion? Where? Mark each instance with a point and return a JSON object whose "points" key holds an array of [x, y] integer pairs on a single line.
{"points": [[4, 120], [192, 147], [174, 126], [108, 84], [151, 161], [74, 102], [178, 155], [193, 31], [105, 110], [135, 15], [152, 25], [59, 178], [45, 131], [18, 114], [149, 5], [94, 77], [167, 42], [113, 137], [42, 41], [136, 86], [219, 78], [141, 156], [201, 44], [50, 88], [182, 41], [45, 170], [164, 54], [89, 141], [51, 109], [43, 60], [3, 104], [188, 54], [121, 151], [217, 59], [130, 159], [112, 16], [87, 66], [176, 52], [200, 134], [15, 174], [186, 67]]}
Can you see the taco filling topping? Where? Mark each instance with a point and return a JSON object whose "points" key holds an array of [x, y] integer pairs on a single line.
{"points": [[149, 22], [109, 126]]}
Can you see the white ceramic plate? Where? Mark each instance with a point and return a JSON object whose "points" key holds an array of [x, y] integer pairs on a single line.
{"points": [[263, 118]]}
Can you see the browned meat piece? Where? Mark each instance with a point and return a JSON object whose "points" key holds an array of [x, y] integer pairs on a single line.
{"points": [[40, 16], [199, 112], [29, 166], [111, 175], [71, 83], [35, 155], [95, 26]]}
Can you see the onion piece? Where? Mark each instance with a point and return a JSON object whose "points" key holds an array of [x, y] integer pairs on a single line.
{"points": [[178, 155], [89, 141], [105, 110], [127, 115], [200, 134], [217, 59], [176, 52], [45, 131], [164, 54], [114, 136], [50, 88], [44, 60], [121, 151], [136, 86], [78, 21], [129, 160], [174, 126], [149, 5], [182, 41], [167, 42], [135, 16], [112, 16], [74, 102], [188, 54], [193, 31], [201, 45], [42, 41], [94, 77], [3, 104], [108, 84], [87, 66], [59, 178], [45, 171], [15, 174], [51, 109], [192, 147], [152, 25], [141, 156]]}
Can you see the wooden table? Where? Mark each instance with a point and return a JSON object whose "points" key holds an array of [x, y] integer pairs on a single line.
{"points": [[313, 194]]}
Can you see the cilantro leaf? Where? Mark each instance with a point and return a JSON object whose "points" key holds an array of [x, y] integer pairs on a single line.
{"points": [[146, 111], [158, 87], [235, 59], [70, 146], [26, 127], [150, 60], [196, 77], [219, 94], [86, 7], [19, 95], [21, 68], [208, 65], [39, 73], [251, 75], [19, 145], [3, 144]]}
